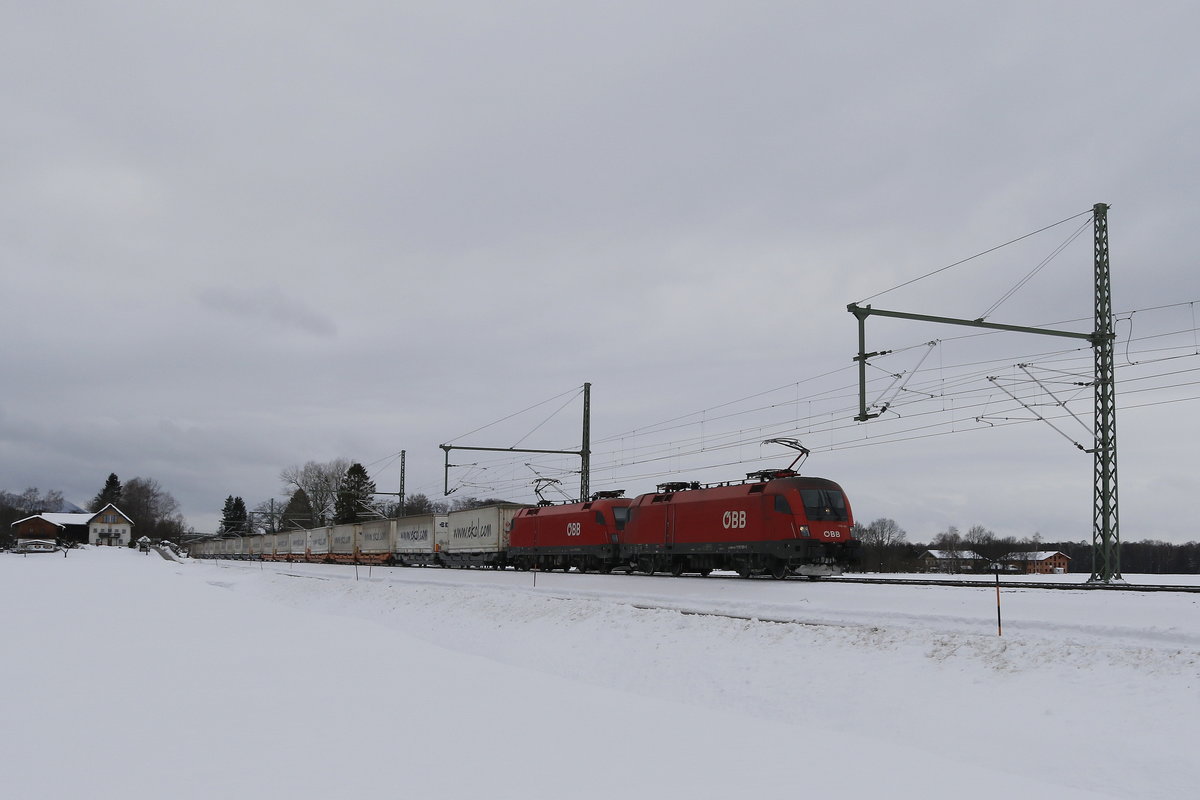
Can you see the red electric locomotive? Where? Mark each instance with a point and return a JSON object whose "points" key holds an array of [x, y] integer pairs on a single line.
{"points": [[776, 522], [580, 535]]}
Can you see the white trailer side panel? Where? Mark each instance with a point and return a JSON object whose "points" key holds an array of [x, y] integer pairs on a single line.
{"points": [[417, 534], [342, 539], [480, 530], [377, 536], [318, 542]]}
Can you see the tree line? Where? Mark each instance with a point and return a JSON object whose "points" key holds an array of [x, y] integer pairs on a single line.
{"points": [[152, 509], [335, 492], [886, 548]]}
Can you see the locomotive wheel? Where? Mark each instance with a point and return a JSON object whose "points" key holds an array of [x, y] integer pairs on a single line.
{"points": [[704, 573], [582, 566], [677, 567], [743, 571], [779, 569], [647, 566]]}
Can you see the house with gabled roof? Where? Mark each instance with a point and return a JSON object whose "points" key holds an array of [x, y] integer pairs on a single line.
{"points": [[1039, 562], [54, 527], [951, 561], [108, 526]]}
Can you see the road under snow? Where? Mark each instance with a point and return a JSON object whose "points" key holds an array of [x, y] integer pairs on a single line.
{"points": [[133, 677]]}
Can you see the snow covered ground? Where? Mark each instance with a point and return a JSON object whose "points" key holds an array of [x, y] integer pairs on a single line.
{"points": [[128, 676]]}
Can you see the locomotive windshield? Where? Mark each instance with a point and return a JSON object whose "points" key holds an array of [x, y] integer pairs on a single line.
{"points": [[824, 504]]}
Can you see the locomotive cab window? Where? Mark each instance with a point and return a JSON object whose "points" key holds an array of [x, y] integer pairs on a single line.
{"points": [[621, 515], [824, 504], [600, 517], [781, 504]]}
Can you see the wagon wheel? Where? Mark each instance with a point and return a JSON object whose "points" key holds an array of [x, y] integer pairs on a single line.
{"points": [[779, 569]]}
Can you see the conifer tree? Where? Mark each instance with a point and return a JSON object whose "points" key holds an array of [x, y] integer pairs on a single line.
{"points": [[111, 493], [298, 513], [354, 497], [233, 515]]}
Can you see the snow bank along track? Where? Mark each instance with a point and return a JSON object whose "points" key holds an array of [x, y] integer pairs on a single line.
{"points": [[640, 603]]}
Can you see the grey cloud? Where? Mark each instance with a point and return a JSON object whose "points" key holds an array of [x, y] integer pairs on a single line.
{"points": [[268, 305]]}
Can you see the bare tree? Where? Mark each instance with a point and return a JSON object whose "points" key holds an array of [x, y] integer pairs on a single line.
{"points": [[468, 503], [416, 504], [987, 545], [883, 532], [320, 482], [885, 545], [154, 512], [264, 517], [949, 540], [31, 501]]}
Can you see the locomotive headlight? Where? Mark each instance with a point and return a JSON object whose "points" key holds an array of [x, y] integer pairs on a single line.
{"points": [[804, 531]]}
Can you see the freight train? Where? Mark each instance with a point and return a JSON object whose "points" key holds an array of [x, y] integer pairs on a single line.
{"points": [[775, 522]]}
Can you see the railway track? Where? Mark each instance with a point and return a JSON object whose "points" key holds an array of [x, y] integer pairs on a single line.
{"points": [[1008, 584]]}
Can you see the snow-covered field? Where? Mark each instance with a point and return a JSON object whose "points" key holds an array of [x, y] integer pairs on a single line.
{"points": [[127, 676]]}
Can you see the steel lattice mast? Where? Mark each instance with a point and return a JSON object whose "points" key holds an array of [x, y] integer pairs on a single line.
{"points": [[1106, 540]]}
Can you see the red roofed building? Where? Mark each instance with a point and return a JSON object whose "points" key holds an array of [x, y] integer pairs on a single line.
{"points": [[1039, 562]]}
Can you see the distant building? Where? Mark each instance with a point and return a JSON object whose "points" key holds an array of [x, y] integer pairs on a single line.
{"points": [[951, 561], [36, 546], [1038, 562], [108, 526], [53, 527]]}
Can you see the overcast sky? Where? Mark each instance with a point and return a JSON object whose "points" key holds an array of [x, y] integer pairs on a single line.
{"points": [[240, 236]]}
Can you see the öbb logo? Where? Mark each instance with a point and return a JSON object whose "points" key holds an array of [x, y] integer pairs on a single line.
{"points": [[733, 519]]}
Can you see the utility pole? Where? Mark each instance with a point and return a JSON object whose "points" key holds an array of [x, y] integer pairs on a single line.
{"points": [[401, 510], [1106, 542], [585, 451]]}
